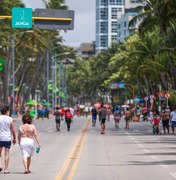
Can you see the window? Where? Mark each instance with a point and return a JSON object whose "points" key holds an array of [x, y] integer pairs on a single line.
{"points": [[103, 41], [135, 1], [125, 24], [104, 2], [114, 13], [119, 9], [114, 38], [103, 27], [119, 2], [116, 2], [114, 27], [104, 13]]}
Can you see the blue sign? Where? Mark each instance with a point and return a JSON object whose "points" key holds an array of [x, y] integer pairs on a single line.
{"points": [[21, 17], [117, 86]]}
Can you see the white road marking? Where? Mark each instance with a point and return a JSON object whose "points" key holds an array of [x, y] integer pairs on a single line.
{"points": [[163, 165], [154, 157], [146, 150], [140, 145], [173, 174]]}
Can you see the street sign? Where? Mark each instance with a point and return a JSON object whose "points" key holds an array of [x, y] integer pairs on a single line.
{"points": [[21, 17], [152, 96], [160, 94], [54, 24], [167, 95], [151, 101], [146, 98]]}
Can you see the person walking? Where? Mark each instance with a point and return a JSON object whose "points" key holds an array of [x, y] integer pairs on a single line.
{"points": [[26, 135], [165, 116], [57, 114], [127, 118], [68, 118], [117, 117], [102, 118], [173, 119], [94, 115], [6, 131]]}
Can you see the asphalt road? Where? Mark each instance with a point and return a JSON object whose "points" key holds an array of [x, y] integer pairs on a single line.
{"points": [[85, 154]]}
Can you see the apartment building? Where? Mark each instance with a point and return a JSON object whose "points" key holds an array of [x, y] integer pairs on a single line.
{"points": [[112, 18]]}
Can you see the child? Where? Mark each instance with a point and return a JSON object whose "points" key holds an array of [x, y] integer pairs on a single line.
{"points": [[155, 122]]}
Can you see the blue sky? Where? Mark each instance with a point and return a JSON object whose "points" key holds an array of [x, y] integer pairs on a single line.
{"points": [[84, 30]]}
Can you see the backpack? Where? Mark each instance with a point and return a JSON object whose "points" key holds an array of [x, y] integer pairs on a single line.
{"points": [[103, 113], [68, 115]]}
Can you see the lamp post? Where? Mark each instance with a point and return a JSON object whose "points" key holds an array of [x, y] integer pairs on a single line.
{"points": [[13, 66], [54, 77]]}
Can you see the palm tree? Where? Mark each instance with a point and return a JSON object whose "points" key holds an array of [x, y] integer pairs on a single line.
{"points": [[159, 13]]}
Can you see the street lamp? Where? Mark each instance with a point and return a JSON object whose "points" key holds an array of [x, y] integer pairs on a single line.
{"points": [[47, 65], [61, 71], [54, 77], [13, 66]]}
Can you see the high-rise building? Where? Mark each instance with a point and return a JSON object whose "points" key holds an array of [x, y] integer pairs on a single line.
{"points": [[108, 18]]}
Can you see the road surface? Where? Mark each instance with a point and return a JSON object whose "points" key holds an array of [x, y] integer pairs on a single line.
{"points": [[85, 154]]}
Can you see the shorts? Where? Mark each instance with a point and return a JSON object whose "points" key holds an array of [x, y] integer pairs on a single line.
{"points": [[127, 118], [6, 144], [94, 117], [57, 120], [103, 121], [165, 123], [173, 124]]}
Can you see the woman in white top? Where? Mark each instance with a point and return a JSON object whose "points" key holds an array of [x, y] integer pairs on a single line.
{"points": [[26, 135]]}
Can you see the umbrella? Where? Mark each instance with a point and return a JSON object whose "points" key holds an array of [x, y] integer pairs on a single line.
{"points": [[97, 105], [125, 106], [32, 102], [81, 106]]}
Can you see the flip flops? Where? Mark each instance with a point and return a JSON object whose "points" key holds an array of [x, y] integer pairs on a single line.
{"points": [[6, 172]]}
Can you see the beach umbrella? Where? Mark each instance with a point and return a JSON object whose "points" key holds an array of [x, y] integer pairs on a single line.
{"points": [[32, 102]]}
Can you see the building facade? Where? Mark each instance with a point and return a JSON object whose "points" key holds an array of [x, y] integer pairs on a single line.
{"points": [[110, 15], [86, 50]]}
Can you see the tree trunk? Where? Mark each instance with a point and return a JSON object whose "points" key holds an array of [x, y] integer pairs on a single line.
{"points": [[147, 84], [163, 81]]}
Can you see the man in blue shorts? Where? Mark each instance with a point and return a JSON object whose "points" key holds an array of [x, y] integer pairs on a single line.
{"points": [[94, 115]]}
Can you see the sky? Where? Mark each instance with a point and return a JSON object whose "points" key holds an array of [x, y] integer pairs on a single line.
{"points": [[84, 26]]}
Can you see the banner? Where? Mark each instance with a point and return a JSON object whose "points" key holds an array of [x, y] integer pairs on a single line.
{"points": [[117, 86]]}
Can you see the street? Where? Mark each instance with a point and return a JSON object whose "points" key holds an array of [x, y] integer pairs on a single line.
{"points": [[84, 154]]}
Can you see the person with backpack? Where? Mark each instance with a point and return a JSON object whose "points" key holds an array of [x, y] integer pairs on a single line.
{"points": [[68, 118], [94, 115], [57, 114], [102, 118]]}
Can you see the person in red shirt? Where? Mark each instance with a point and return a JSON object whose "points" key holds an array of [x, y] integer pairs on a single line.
{"points": [[155, 122]]}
